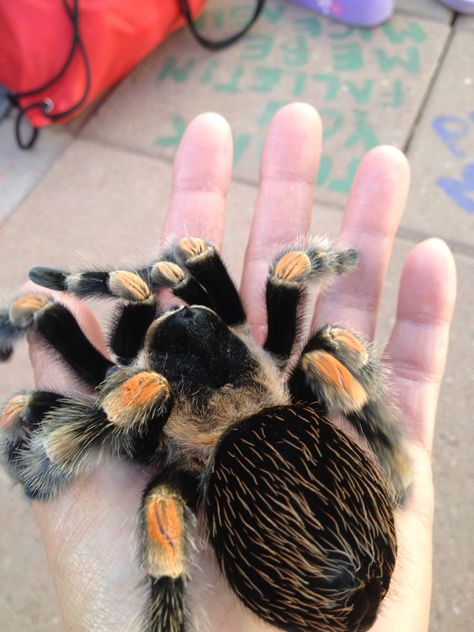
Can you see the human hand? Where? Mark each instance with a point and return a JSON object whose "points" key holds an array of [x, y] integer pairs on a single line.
{"points": [[89, 530]]}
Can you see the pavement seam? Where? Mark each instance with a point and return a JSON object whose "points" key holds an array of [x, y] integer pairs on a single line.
{"points": [[423, 16], [432, 82]]}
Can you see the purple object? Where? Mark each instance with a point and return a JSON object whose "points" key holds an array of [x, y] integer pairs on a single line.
{"points": [[357, 12], [461, 6]]}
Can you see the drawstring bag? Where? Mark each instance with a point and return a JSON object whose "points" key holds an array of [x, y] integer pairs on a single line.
{"points": [[58, 56]]}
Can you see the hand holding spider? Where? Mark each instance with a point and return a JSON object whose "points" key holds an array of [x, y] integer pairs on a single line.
{"points": [[87, 530]]}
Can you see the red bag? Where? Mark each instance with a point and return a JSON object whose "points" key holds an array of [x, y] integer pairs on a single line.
{"points": [[56, 56]]}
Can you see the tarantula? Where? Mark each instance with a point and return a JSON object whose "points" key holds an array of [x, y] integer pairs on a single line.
{"points": [[300, 517]]}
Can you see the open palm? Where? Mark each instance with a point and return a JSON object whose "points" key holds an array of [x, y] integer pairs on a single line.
{"points": [[89, 531]]}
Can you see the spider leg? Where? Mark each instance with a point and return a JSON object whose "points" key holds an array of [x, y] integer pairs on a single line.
{"points": [[340, 373], [126, 284], [47, 440], [58, 328], [195, 266], [132, 285], [292, 271], [137, 404], [128, 329], [167, 520], [168, 273], [21, 415]]}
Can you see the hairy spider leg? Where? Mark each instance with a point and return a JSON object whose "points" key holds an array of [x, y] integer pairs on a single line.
{"points": [[339, 372], [47, 440], [137, 286], [167, 523], [20, 416], [292, 271], [202, 261], [137, 404], [60, 330], [301, 521], [9, 335], [125, 284], [128, 328], [168, 273]]}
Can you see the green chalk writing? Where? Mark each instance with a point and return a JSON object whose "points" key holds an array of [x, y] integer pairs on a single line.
{"points": [[295, 52], [397, 34], [347, 57], [274, 13], [172, 140], [266, 79], [321, 61], [269, 110], [176, 69], [331, 84], [343, 185], [256, 47], [333, 122], [241, 142], [387, 63], [364, 133], [232, 85], [393, 97], [362, 92]]}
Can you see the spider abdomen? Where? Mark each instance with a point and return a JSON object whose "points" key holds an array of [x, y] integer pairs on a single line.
{"points": [[301, 522]]}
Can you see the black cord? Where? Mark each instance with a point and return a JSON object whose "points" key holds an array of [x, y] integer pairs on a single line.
{"points": [[45, 105], [218, 44]]}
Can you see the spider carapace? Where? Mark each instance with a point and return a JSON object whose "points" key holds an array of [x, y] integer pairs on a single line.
{"points": [[298, 514]]}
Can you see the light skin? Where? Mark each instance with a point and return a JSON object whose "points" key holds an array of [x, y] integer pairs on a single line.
{"points": [[88, 531]]}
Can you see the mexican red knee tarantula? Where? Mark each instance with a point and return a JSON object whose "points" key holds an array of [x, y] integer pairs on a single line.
{"points": [[299, 516]]}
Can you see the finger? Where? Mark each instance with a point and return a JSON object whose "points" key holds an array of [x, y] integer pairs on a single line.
{"points": [[407, 605], [376, 203], [418, 345], [201, 178], [417, 349], [285, 199]]}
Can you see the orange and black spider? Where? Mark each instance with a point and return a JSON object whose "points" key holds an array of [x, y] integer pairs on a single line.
{"points": [[300, 517]]}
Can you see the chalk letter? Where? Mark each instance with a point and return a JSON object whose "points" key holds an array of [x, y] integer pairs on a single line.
{"points": [[332, 85], [451, 129], [461, 191], [171, 69], [256, 46], [363, 132], [347, 56], [413, 32], [386, 63]]}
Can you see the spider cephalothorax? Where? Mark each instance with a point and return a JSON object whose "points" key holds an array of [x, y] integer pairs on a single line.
{"points": [[299, 516]]}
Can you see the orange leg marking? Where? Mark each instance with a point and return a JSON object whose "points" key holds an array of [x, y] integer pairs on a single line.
{"points": [[349, 341], [323, 366], [143, 388], [165, 525], [293, 266], [192, 246], [12, 410], [170, 272], [128, 285], [24, 308], [139, 393]]}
